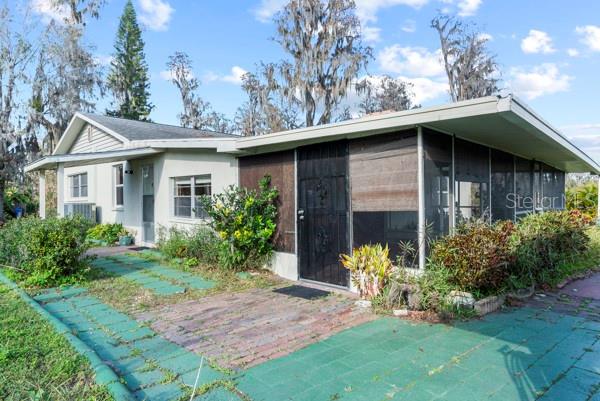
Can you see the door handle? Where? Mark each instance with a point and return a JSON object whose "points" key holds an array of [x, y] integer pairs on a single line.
{"points": [[300, 214]]}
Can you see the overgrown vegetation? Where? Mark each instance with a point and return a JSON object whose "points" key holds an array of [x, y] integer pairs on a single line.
{"points": [[370, 268], [244, 219], [199, 242], [108, 233], [44, 252], [485, 259], [584, 197], [477, 255], [36, 363], [542, 241]]}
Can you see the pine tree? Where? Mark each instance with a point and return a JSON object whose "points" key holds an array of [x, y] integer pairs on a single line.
{"points": [[128, 78]]}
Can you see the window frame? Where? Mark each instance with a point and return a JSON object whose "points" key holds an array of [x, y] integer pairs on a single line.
{"points": [[79, 195], [194, 181], [116, 186]]}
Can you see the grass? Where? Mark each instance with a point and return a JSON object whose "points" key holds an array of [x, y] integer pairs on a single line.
{"points": [[129, 297], [581, 263], [36, 363]]}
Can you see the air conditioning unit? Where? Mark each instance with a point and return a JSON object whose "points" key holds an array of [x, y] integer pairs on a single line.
{"points": [[87, 210]]}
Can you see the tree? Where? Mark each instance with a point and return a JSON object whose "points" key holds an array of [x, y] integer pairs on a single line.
{"points": [[472, 72], [266, 110], [389, 95], [128, 77], [66, 80], [197, 113], [15, 55], [79, 9], [67, 77], [323, 39]]}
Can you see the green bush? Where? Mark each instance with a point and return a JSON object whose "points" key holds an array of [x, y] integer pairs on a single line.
{"points": [[45, 252], [244, 219], [477, 256], [584, 198], [199, 243], [370, 267], [14, 197], [108, 233], [544, 240]]}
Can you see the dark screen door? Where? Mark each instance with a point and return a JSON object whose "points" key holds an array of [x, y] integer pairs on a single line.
{"points": [[323, 212], [148, 203]]}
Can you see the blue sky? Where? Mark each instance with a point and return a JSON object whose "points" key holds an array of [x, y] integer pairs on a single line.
{"points": [[548, 51]]}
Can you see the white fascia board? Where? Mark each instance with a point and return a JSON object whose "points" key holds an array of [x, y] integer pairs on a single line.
{"points": [[71, 131], [532, 118], [221, 145], [379, 123], [100, 157]]}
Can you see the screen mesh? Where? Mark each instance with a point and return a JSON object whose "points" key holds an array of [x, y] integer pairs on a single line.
{"points": [[437, 152], [472, 178], [502, 185]]}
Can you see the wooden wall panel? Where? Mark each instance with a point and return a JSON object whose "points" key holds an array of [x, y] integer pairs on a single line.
{"points": [[280, 166], [383, 173]]}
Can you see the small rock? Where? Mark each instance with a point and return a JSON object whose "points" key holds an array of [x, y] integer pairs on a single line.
{"points": [[400, 312], [461, 298], [574, 290], [363, 303]]}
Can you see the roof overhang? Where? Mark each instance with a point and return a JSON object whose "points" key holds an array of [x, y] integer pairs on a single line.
{"points": [[503, 123], [84, 159]]}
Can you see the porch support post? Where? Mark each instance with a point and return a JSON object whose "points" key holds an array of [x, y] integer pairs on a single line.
{"points": [[421, 186], [42, 194], [60, 190]]}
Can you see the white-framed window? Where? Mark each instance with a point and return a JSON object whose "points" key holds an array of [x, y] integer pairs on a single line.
{"points": [[119, 187], [187, 192], [79, 185]]}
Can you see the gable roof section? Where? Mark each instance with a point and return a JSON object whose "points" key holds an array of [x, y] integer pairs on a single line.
{"points": [[127, 131]]}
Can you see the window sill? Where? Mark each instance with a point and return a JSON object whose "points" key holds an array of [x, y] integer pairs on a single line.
{"points": [[118, 208]]}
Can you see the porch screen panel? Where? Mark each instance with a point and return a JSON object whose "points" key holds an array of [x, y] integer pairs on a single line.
{"points": [[553, 188], [523, 199], [472, 178], [437, 152], [502, 185], [384, 189]]}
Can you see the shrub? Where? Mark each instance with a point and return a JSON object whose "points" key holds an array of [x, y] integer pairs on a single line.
{"points": [[108, 233], [14, 197], [544, 240], [477, 255], [45, 252], [370, 267], [244, 219], [584, 198], [199, 243]]}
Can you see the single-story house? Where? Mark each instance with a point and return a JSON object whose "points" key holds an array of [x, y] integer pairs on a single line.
{"points": [[391, 177]]}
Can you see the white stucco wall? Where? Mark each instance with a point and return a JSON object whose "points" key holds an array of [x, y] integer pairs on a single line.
{"points": [[181, 163]]}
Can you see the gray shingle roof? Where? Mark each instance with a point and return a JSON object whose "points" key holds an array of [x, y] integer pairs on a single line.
{"points": [[139, 130]]}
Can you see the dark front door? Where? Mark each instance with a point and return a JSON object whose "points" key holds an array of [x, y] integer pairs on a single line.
{"points": [[323, 212]]}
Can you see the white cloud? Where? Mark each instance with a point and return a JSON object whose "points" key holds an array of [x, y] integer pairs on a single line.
{"points": [[591, 36], [156, 14], [468, 8], [49, 10], [168, 75], [411, 61], [234, 77], [537, 42], [426, 89], [366, 10], [371, 34], [267, 9], [409, 26], [486, 36], [103, 59], [538, 81], [573, 52], [585, 136]]}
